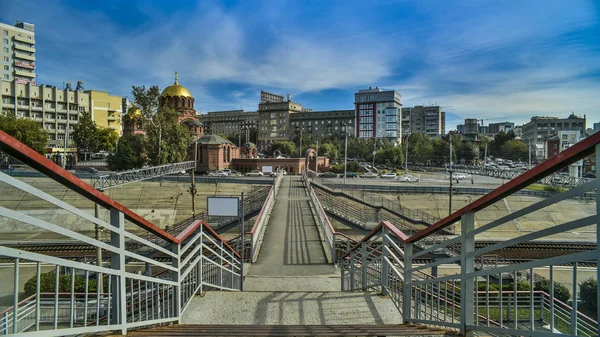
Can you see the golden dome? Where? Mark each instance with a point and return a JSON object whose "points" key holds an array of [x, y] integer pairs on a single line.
{"points": [[134, 112], [176, 89]]}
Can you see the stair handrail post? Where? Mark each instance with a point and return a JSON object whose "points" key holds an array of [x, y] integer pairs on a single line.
{"points": [[407, 286], [363, 265], [175, 277], [117, 263], [467, 266], [384, 264]]}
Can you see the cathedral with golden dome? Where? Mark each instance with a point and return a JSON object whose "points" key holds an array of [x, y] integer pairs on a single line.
{"points": [[174, 96]]}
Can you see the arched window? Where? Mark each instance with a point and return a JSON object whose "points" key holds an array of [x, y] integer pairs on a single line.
{"points": [[175, 101]]}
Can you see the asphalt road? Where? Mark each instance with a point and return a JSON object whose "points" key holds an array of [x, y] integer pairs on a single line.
{"points": [[426, 179]]}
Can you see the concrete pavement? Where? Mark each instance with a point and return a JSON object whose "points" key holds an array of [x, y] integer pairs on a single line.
{"points": [[292, 247]]}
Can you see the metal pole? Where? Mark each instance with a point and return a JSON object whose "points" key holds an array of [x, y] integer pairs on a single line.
{"points": [[450, 171], [317, 161], [300, 150], [242, 245], [193, 193], [98, 249], [374, 146], [345, 151], [65, 149], [485, 155], [529, 141], [406, 157]]}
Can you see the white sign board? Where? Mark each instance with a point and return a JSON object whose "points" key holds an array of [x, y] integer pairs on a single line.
{"points": [[267, 169], [223, 206]]}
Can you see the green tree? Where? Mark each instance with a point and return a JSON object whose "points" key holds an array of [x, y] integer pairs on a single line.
{"points": [[26, 131], [107, 139], [167, 140], [86, 135], [588, 292], [329, 150], [466, 151], [131, 153], [285, 147], [502, 137], [514, 149], [561, 292]]}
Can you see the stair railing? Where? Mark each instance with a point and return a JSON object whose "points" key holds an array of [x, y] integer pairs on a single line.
{"points": [[462, 297], [68, 300]]}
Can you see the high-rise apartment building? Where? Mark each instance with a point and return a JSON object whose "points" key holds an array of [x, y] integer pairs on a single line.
{"points": [[495, 128], [427, 120], [57, 110], [17, 49], [378, 114], [273, 119]]}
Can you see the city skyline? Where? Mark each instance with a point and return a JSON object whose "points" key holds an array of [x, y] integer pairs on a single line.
{"points": [[481, 60]]}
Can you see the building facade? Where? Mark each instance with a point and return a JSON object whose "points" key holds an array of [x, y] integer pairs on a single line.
{"points": [[320, 124], [230, 121], [273, 119], [213, 153], [57, 110], [18, 53], [495, 128], [427, 120], [541, 128], [378, 114]]}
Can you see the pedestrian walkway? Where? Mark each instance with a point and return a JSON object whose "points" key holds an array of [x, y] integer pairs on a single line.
{"points": [[292, 250]]}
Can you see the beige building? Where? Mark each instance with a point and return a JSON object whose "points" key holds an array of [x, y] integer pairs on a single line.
{"points": [[17, 52], [229, 122], [273, 119], [106, 109], [57, 110]]}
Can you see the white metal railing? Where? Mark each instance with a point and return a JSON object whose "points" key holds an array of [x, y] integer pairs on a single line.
{"points": [[337, 243], [260, 224], [197, 259], [468, 299]]}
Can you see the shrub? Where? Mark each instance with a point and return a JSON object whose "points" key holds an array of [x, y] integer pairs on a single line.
{"points": [[561, 292], [492, 287], [47, 284], [550, 188], [588, 292], [521, 286]]}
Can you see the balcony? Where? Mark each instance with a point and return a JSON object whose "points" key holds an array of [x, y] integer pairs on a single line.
{"points": [[24, 73], [24, 65], [24, 56], [24, 47], [36, 108], [24, 39]]}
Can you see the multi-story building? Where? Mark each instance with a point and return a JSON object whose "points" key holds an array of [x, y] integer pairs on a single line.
{"points": [[427, 120], [273, 118], [541, 128], [106, 110], [57, 110], [495, 128], [228, 122], [18, 53], [378, 114], [320, 124], [471, 126]]}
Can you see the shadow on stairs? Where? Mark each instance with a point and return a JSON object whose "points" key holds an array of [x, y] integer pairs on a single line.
{"points": [[291, 330]]}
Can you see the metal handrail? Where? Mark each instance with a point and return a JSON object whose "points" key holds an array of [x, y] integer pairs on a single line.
{"points": [[384, 259]]}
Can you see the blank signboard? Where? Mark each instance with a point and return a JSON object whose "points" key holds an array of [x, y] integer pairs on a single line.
{"points": [[223, 206]]}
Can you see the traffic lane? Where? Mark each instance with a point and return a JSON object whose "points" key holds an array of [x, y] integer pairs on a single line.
{"points": [[425, 180]]}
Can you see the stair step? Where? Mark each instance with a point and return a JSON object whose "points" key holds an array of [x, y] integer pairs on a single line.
{"points": [[291, 330]]}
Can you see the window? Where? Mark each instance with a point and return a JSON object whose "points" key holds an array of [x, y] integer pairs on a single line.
{"points": [[5, 67], [5, 50], [6, 33], [6, 77], [5, 41]]}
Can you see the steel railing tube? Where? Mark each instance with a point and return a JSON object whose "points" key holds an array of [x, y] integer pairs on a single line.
{"points": [[56, 283], [38, 276], [85, 301]]}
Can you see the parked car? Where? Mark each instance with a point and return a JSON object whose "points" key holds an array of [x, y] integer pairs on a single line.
{"points": [[218, 174], [273, 174], [408, 179], [254, 173], [369, 175], [589, 175], [99, 155], [351, 175], [88, 169], [228, 171], [388, 176], [459, 176], [234, 173], [328, 175]]}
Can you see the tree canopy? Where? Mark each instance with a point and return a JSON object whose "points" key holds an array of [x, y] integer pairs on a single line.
{"points": [[26, 131]]}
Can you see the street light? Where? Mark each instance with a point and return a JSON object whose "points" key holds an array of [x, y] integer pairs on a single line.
{"points": [[345, 129], [406, 157]]}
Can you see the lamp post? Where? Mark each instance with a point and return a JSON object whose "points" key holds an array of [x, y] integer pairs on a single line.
{"points": [[406, 157], [345, 129]]}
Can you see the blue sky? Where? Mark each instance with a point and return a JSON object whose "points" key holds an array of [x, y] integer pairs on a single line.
{"points": [[485, 59]]}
